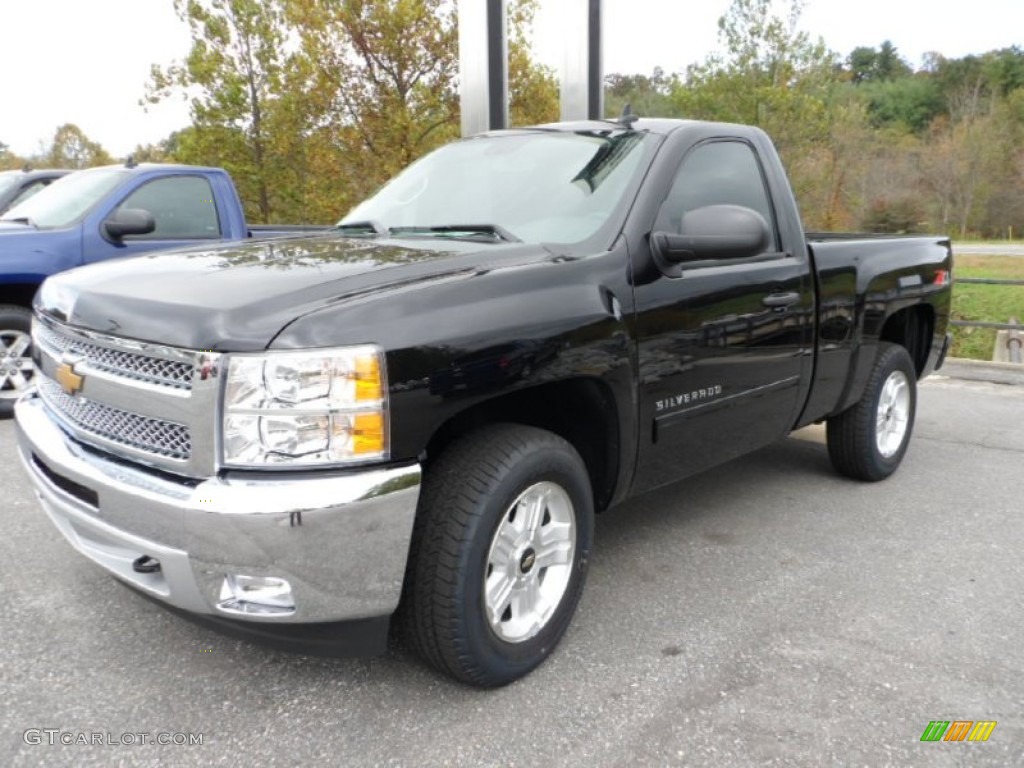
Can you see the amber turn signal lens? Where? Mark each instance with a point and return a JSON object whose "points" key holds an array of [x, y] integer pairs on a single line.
{"points": [[368, 379], [367, 433]]}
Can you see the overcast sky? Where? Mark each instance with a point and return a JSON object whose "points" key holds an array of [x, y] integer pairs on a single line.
{"points": [[86, 61]]}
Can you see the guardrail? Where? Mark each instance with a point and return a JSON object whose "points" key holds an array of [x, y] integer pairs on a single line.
{"points": [[1014, 340]]}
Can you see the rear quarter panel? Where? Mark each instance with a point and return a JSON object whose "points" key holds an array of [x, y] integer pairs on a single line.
{"points": [[862, 281]]}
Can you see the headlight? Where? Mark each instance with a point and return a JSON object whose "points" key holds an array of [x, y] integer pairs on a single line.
{"points": [[305, 408]]}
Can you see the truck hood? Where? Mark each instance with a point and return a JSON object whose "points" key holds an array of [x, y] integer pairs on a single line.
{"points": [[238, 298], [11, 227], [11, 232]]}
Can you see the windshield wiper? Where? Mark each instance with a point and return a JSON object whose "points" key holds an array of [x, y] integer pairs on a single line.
{"points": [[369, 227], [493, 232], [21, 220]]}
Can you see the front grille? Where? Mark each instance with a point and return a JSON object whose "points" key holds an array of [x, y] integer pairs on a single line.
{"points": [[155, 436], [118, 362]]}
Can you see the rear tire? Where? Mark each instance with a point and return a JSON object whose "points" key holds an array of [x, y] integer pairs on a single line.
{"points": [[499, 554], [16, 368], [868, 441]]}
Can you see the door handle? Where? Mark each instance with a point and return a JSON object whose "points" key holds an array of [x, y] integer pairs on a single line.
{"points": [[781, 300]]}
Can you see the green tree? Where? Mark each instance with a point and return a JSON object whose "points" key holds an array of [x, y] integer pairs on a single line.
{"points": [[1003, 211], [890, 65], [231, 77], [829, 173], [8, 159], [71, 148], [648, 95], [167, 150], [910, 102], [311, 105], [380, 80], [374, 86], [993, 75], [770, 74], [861, 64], [867, 65], [532, 88]]}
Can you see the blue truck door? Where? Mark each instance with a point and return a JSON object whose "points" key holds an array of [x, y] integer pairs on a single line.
{"points": [[724, 347], [183, 207]]}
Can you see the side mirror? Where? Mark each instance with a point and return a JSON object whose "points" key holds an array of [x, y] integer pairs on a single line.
{"points": [[714, 232], [129, 221]]}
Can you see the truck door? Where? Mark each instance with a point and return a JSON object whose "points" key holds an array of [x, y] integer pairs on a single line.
{"points": [[723, 345], [183, 208]]}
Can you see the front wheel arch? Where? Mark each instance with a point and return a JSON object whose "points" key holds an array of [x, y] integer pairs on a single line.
{"points": [[17, 371]]}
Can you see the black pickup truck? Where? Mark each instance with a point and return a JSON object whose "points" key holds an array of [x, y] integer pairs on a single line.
{"points": [[409, 423]]}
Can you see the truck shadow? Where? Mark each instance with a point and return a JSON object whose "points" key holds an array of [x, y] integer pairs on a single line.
{"points": [[702, 511], [767, 474]]}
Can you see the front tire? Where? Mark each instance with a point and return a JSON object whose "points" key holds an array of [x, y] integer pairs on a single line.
{"points": [[868, 441], [499, 555], [16, 368]]}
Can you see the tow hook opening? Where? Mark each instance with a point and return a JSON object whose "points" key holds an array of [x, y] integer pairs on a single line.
{"points": [[146, 564]]}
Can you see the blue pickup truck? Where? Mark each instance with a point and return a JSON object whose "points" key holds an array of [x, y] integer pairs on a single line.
{"points": [[98, 214]]}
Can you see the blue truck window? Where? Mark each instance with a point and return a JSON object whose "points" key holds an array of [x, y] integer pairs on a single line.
{"points": [[182, 207]]}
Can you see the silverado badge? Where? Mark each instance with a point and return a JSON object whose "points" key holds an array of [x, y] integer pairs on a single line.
{"points": [[69, 381]]}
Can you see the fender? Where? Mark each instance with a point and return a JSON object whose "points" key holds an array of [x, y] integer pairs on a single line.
{"points": [[457, 342]]}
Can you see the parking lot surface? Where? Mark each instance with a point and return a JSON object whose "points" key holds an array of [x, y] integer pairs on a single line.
{"points": [[766, 613]]}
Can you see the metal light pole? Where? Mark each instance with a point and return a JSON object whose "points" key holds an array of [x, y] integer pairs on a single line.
{"points": [[483, 62], [583, 65]]}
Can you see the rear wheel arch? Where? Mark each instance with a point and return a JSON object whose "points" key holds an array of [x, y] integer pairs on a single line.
{"points": [[911, 328], [868, 440]]}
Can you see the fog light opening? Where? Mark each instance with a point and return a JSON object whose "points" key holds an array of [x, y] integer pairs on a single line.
{"points": [[259, 595]]}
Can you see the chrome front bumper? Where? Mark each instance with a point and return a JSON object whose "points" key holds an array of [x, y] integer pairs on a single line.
{"points": [[340, 540]]}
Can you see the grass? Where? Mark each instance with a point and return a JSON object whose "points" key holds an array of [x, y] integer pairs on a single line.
{"points": [[989, 303]]}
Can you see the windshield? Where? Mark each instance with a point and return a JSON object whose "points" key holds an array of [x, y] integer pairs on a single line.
{"points": [[8, 179], [67, 199], [551, 187]]}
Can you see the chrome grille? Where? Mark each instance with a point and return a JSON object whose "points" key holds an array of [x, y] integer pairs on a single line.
{"points": [[118, 362], [155, 436]]}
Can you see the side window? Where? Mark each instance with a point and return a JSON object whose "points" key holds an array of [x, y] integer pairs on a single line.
{"points": [[717, 173], [182, 206], [27, 191]]}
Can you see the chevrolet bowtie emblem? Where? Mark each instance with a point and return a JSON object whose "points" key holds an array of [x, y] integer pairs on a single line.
{"points": [[69, 381]]}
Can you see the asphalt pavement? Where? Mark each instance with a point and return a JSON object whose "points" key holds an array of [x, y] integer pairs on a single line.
{"points": [[765, 613]]}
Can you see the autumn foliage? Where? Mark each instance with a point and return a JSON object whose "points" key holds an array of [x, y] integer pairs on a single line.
{"points": [[869, 143], [312, 104]]}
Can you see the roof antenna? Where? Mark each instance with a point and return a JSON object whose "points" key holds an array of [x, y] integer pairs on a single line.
{"points": [[27, 167], [130, 162], [627, 118]]}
